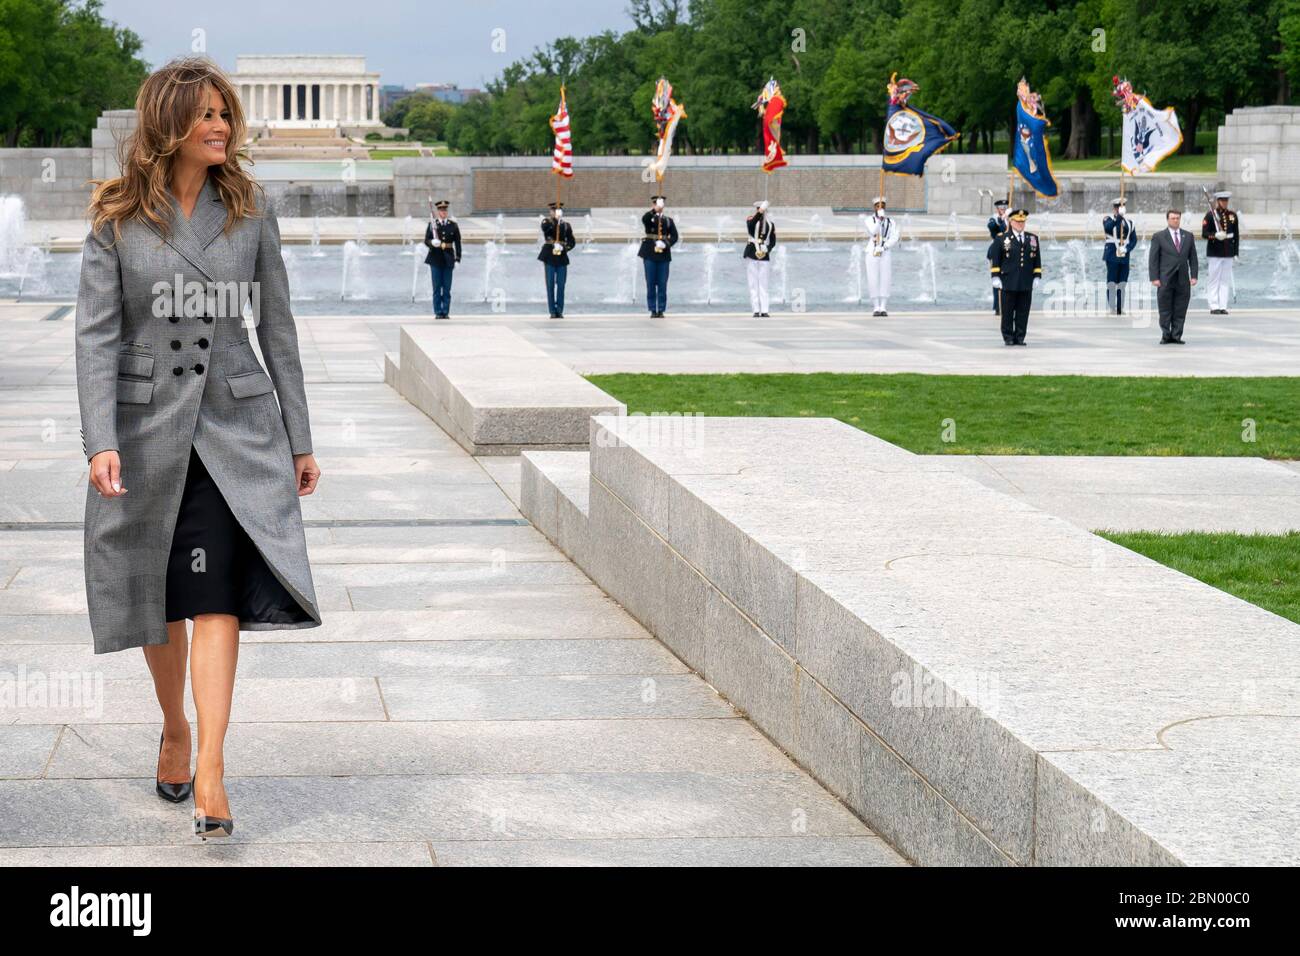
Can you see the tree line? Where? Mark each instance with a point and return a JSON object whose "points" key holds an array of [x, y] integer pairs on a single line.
{"points": [[61, 66], [834, 58]]}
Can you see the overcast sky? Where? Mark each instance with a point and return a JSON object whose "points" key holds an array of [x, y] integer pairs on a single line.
{"points": [[406, 42]]}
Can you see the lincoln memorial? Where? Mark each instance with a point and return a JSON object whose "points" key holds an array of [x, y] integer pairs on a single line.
{"points": [[307, 90]]}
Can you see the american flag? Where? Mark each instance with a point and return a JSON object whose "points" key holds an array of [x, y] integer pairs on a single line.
{"points": [[562, 157]]}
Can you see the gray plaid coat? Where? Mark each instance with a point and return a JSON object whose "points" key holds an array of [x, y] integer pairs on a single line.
{"points": [[160, 367]]}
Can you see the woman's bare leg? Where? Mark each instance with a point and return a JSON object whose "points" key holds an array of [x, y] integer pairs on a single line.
{"points": [[167, 665], [212, 676]]}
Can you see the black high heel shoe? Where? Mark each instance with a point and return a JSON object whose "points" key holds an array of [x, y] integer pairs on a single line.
{"points": [[206, 826], [175, 792]]}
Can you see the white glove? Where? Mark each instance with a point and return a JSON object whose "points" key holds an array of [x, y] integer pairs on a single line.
{"points": [[558, 249], [659, 245], [1220, 235], [997, 282]]}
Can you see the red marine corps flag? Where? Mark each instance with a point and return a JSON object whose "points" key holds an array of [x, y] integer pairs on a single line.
{"points": [[562, 157], [771, 106]]}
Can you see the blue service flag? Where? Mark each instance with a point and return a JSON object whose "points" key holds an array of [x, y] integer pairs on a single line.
{"points": [[1031, 158], [911, 137]]}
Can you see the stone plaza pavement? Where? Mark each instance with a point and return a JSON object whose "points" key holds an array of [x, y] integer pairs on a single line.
{"points": [[472, 698]]}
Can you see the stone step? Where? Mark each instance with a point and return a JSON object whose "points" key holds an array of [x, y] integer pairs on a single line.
{"points": [[494, 392], [554, 488], [983, 683]]}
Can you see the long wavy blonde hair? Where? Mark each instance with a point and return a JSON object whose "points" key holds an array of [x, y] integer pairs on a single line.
{"points": [[171, 103]]}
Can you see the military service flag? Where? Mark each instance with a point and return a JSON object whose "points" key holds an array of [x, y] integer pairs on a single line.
{"points": [[911, 136], [667, 113], [1031, 157], [1149, 134], [771, 106]]}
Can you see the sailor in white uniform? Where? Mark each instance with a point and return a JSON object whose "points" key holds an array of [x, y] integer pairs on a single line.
{"points": [[882, 236]]}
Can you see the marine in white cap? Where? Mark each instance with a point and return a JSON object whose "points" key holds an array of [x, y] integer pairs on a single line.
{"points": [[882, 236], [1222, 228], [758, 257]]}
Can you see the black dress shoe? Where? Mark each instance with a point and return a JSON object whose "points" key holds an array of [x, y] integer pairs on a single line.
{"points": [[1177, 341], [175, 792], [765, 315], [206, 826], [1020, 343], [755, 315]]}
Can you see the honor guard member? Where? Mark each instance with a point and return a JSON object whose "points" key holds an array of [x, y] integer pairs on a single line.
{"points": [[442, 236], [758, 256], [997, 226], [1222, 228], [1017, 262], [557, 240], [656, 254], [1121, 237], [882, 236]]}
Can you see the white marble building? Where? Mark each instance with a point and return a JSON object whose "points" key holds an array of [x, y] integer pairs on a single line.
{"points": [[305, 91]]}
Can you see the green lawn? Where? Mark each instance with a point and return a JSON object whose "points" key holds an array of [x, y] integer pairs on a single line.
{"points": [[391, 153], [1001, 414], [1263, 569]]}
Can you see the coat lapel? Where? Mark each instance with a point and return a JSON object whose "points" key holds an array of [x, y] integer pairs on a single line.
{"points": [[191, 237]]}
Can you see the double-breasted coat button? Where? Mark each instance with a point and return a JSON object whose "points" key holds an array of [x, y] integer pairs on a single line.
{"points": [[173, 318], [198, 368], [203, 343], [207, 318], [176, 343], [178, 370]]}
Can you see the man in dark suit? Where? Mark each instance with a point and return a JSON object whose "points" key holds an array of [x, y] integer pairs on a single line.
{"points": [[656, 253], [557, 240], [1172, 268], [442, 236], [1016, 262]]}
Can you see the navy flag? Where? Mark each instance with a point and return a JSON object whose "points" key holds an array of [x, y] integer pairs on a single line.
{"points": [[911, 135], [1031, 157]]}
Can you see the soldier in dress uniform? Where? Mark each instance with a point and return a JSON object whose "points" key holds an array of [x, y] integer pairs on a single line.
{"points": [[882, 236], [1222, 227], [557, 240], [442, 236], [997, 226], [758, 257], [1016, 262], [656, 254], [1121, 237]]}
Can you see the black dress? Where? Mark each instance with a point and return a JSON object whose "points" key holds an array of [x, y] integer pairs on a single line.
{"points": [[214, 567]]}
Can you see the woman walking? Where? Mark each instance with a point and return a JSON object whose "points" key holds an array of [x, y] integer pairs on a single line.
{"points": [[192, 508]]}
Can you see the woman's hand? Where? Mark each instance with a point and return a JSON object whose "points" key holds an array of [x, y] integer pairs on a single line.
{"points": [[106, 474], [306, 473]]}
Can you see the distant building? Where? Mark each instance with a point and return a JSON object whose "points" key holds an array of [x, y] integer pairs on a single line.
{"points": [[307, 90]]}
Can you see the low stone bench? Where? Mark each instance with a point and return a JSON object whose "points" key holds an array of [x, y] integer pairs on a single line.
{"points": [[982, 682], [493, 391]]}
